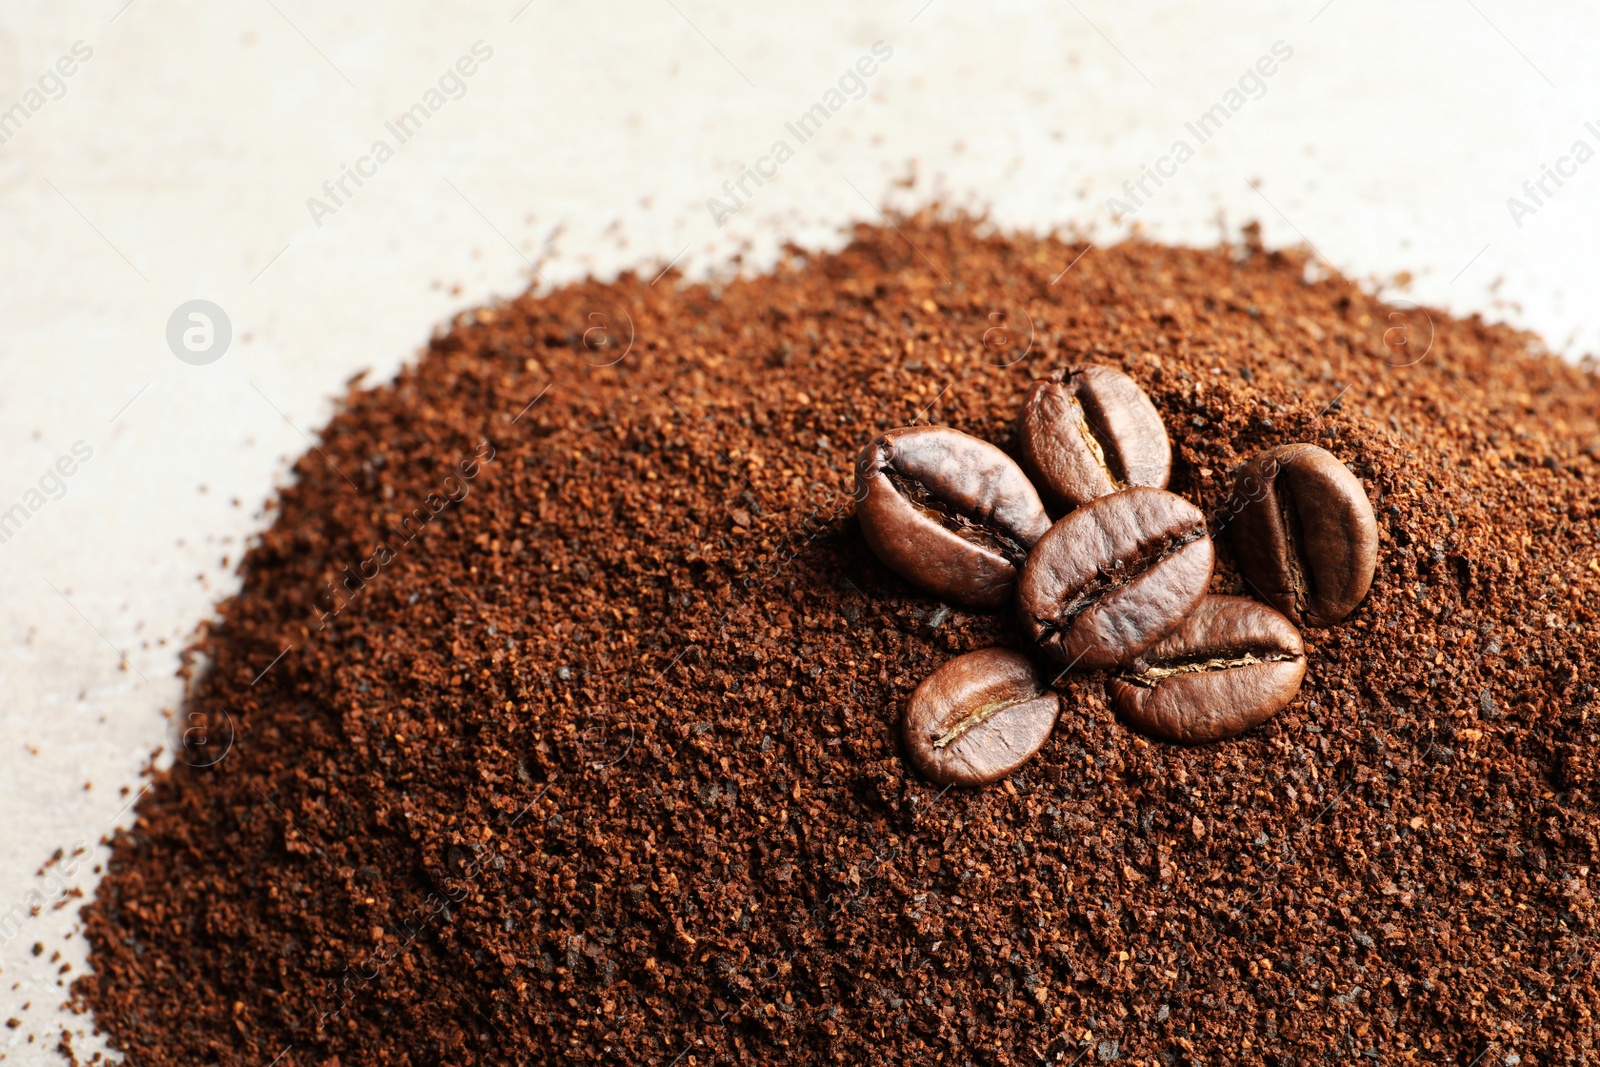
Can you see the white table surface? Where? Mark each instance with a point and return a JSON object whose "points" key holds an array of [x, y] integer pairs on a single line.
{"points": [[177, 162]]}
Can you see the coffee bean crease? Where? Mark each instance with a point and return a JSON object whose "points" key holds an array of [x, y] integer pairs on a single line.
{"points": [[1123, 572], [1115, 576], [1231, 665], [966, 524], [1089, 431], [978, 717], [1150, 676], [1304, 533]]}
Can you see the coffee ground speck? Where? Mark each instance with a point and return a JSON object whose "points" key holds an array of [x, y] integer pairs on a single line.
{"points": [[598, 759]]}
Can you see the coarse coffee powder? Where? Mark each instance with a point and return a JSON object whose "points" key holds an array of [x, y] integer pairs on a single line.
{"points": [[586, 743]]}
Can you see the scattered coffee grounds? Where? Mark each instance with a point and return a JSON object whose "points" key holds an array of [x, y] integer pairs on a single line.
{"points": [[585, 746]]}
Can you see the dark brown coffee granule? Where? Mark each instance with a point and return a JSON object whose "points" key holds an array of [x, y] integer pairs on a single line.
{"points": [[603, 765]]}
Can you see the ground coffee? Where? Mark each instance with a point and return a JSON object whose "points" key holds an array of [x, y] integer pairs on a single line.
{"points": [[592, 755]]}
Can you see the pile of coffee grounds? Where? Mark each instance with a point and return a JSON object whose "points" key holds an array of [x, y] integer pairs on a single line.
{"points": [[585, 748]]}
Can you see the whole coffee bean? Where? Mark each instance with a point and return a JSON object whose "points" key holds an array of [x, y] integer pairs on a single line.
{"points": [[1231, 665], [979, 717], [1115, 576], [1304, 533], [1090, 431], [948, 512]]}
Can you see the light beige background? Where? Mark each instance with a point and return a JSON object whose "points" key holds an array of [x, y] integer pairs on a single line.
{"points": [[179, 160]]}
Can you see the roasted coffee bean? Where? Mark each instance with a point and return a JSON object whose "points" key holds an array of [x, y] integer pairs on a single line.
{"points": [[1115, 576], [948, 512], [1090, 431], [1304, 533], [979, 717], [1231, 665]]}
